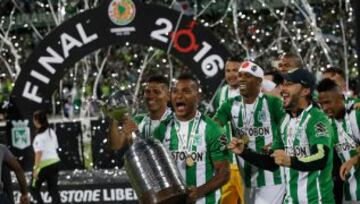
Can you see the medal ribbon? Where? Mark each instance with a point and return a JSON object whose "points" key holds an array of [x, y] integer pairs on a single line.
{"points": [[187, 147], [290, 140]]}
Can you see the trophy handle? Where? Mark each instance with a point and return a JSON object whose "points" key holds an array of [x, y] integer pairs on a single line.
{"points": [[135, 134]]}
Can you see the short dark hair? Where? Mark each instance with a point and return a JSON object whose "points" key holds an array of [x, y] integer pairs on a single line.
{"points": [[327, 85], [335, 70], [158, 79], [188, 76], [297, 58], [235, 58]]}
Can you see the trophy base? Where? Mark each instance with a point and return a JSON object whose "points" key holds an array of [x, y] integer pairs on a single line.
{"points": [[171, 195]]}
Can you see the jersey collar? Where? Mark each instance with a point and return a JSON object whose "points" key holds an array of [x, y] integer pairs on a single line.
{"points": [[298, 113]]}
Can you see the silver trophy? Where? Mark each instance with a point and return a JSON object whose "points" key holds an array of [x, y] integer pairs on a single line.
{"points": [[149, 166], [118, 105]]}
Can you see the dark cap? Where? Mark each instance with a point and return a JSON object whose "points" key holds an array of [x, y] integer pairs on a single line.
{"points": [[301, 76]]}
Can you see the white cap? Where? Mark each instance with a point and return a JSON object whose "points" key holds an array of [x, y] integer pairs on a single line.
{"points": [[252, 69], [268, 85]]}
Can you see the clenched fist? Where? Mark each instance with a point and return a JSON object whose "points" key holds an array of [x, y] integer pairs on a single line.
{"points": [[347, 166], [281, 158], [236, 145]]}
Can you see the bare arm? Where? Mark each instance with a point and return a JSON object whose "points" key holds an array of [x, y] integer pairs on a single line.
{"points": [[218, 122], [116, 139], [222, 174], [36, 169], [14, 165], [37, 158], [121, 137]]}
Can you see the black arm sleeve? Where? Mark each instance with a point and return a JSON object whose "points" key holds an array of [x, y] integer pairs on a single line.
{"points": [[315, 165], [263, 161]]}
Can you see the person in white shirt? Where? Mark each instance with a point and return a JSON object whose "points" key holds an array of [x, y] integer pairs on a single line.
{"points": [[47, 161]]}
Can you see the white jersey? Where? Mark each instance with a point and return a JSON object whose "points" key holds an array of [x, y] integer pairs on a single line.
{"points": [[47, 143]]}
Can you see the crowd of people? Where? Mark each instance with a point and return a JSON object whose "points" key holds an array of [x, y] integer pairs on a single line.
{"points": [[260, 31], [272, 139], [273, 136]]}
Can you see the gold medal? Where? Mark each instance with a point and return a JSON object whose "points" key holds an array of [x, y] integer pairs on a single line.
{"points": [[245, 138], [189, 161]]}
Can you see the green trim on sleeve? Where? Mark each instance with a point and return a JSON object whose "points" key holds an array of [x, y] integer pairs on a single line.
{"points": [[319, 155]]}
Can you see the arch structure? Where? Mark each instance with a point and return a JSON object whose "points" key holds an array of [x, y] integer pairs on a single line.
{"points": [[113, 22]]}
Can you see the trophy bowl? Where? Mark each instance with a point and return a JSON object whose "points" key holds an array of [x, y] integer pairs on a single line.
{"points": [[118, 105], [153, 174]]}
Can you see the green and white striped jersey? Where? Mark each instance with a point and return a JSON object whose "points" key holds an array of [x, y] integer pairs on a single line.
{"points": [[223, 94], [261, 125], [347, 137], [207, 147], [297, 136], [350, 101], [147, 126]]}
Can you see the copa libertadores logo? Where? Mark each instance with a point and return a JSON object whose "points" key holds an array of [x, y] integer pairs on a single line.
{"points": [[122, 12]]}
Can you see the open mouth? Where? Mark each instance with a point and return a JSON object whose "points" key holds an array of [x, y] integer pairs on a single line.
{"points": [[243, 86], [329, 113], [150, 102], [180, 106], [285, 95]]}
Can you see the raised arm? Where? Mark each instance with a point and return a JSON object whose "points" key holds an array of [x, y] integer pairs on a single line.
{"points": [[120, 136]]}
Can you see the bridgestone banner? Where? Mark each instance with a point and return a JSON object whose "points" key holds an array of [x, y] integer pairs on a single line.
{"points": [[107, 194]]}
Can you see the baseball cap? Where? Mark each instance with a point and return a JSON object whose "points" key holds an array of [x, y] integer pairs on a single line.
{"points": [[301, 76], [252, 68]]}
